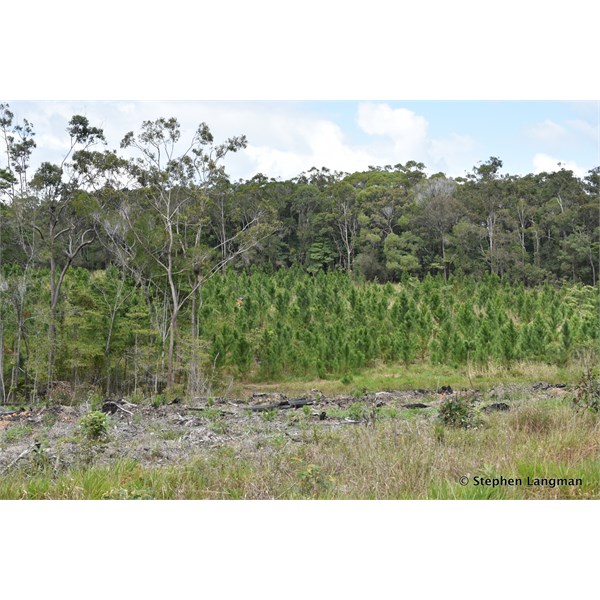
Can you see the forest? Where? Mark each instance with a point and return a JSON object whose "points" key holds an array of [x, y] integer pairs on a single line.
{"points": [[145, 268]]}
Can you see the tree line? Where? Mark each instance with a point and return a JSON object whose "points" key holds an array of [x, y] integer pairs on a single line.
{"points": [[143, 234]]}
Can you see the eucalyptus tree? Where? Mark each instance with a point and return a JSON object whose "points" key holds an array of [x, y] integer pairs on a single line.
{"points": [[169, 226], [438, 211], [345, 213], [59, 217], [483, 197], [19, 248]]}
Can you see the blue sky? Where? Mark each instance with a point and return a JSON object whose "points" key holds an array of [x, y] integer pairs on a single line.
{"points": [[288, 137]]}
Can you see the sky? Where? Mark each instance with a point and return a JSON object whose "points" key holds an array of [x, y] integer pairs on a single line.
{"points": [[286, 138]]}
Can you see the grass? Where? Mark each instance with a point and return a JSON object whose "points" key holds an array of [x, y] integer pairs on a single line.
{"points": [[419, 376], [392, 458], [16, 433]]}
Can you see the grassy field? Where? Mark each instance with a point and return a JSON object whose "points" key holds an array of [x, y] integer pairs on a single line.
{"points": [[385, 454], [421, 376]]}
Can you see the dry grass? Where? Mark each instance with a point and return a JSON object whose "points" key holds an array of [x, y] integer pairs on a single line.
{"points": [[393, 459]]}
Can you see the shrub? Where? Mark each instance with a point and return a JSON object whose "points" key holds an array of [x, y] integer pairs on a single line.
{"points": [[587, 395], [457, 412], [158, 400], [94, 425], [60, 392], [358, 411]]}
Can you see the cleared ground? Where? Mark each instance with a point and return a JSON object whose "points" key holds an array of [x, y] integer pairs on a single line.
{"points": [[388, 445]]}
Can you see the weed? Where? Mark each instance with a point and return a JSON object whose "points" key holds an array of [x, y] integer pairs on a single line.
{"points": [[95, 399], [268, 415], [219, 426], [587, 395], [94, 425], [358, 411], [158, 400], [312, 480], [457, 411], [137, 397], [387, 412], [439, 433], [170, 434], [48, 419], [212, 414], [278, 441], [16, 433]]}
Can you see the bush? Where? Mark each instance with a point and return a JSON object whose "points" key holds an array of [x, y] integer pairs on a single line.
{"points": [[587, 395], [94, 425], [358, 411], [60, 393], [159, 400], [457, 412]]}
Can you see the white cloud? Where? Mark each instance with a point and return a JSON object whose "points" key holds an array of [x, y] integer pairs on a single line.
{"points": [[409, 139], [543, 163], [319, 143], [548, 132], [396, 136], [284, 138], [407, 130]]}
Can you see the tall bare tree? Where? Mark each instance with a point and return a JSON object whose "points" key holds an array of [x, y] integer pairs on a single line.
{"points": [[170, 222], [57, 216]]}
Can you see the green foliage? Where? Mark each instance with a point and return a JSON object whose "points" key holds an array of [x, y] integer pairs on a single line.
{"points": [[16, 433], [159, 400], [269, 415], [457, 411], [265, 279], [291, 324], [587, 395], [94, 425], [358, 411]]}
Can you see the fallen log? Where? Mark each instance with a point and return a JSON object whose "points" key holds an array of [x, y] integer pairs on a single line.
{"points": [[282, 405], [299, 402], [262, 407], [110, 407], [7, 413], [222, 413], [497, 406]]}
